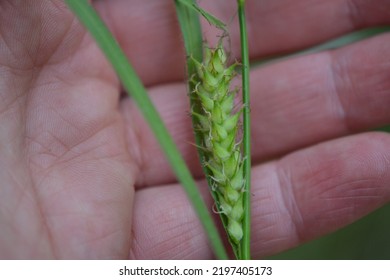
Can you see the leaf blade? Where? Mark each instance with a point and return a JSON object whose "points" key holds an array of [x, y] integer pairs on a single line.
{"points": [[88, 16], [245, 244]]}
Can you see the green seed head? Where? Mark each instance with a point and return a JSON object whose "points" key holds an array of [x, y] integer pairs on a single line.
{"points": [[219, 123], [235, 230], [229, 142], [221, 132], [218, 64], [237, 182], [231, 195], [231, 122], [231, 165], [227, 103], [225, 207], [207, 102], [210, 81], [217, 115], [204, 124], [237, 212], [221, 54], [220, 152]]}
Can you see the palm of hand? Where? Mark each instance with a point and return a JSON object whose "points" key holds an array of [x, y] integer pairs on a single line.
{"points": [[72, 152]]}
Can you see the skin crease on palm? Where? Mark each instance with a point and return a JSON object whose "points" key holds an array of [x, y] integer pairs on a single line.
{"points": [[83, 178]]}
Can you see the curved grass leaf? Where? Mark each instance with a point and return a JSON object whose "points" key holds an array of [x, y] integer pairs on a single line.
{"points": [[88, 16]]}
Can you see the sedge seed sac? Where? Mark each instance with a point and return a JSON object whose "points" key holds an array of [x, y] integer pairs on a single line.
{"points": [[217, 121]]}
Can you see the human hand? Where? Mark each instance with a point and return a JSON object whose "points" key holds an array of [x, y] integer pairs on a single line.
{"points": [[82, 176]]}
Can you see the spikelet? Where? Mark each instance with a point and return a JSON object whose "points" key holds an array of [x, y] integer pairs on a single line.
{"points": [[218, 123]]}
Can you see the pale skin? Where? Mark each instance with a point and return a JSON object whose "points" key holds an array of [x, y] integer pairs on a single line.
{"points": [[83, 178]]}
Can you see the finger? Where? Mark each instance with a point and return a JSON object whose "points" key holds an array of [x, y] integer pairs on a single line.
{"points": [[319, 190], [167, 209], [310, 99], [303, 196], [153, 42], [295, 103]]}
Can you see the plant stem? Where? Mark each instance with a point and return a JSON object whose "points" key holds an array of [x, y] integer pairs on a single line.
{"points": [[245, 244], [88, 16]]}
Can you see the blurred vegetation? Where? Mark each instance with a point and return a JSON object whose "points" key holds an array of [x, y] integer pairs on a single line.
{"points": [[365, 239], [386, 129]]}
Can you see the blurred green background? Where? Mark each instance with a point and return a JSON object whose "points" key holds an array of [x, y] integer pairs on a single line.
{"points": [[365, 239], [368, 238]]}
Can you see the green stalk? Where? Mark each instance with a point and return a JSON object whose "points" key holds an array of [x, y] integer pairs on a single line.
{"points": [[88, 16], [245, 244]]}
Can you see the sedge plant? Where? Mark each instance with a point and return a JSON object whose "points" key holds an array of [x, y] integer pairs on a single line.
{"points": [[224, 156], [226, 167]]}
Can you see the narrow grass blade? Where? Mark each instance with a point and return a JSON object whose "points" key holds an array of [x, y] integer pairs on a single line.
{"points": [[88, 16], [209, 17], [342, 41], [245, 244]]}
